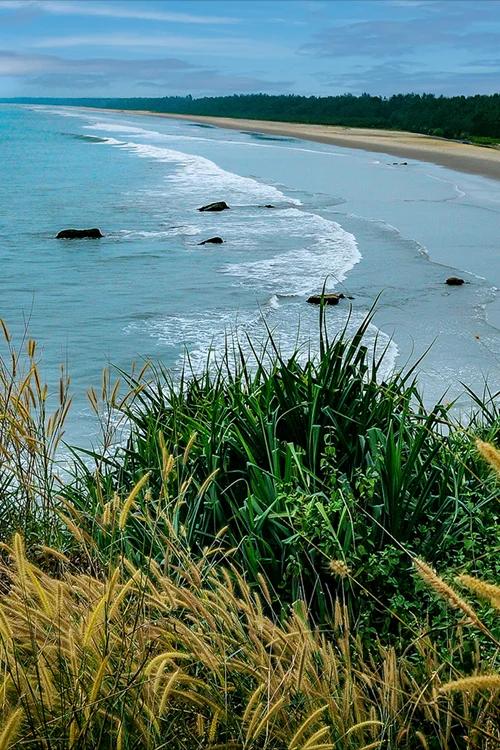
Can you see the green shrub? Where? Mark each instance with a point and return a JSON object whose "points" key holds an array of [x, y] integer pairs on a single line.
{"points": [[310, 461]]}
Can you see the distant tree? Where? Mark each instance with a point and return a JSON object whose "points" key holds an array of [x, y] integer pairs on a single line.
{"points": [[450, 117]]}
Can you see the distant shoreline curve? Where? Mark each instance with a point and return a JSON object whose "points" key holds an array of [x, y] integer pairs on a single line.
{"points": [[461, 157]]}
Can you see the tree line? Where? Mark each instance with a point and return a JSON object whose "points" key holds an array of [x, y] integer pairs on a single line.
{"points": [[462, 117]]}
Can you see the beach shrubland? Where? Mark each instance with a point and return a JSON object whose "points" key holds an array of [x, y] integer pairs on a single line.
{"points": [[255, 567], [304, 460]]}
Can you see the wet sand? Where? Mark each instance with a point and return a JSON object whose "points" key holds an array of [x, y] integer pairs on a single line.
{"points": [[462, 157]]}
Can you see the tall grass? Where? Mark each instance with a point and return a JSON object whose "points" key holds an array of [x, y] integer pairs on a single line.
{"points": [[31, 429], [218, 582], [182, 655], [309, 459]]}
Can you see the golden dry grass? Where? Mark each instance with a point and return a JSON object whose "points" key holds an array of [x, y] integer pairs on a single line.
{"points": [[480, 683], [31, 429], [185, 656]]}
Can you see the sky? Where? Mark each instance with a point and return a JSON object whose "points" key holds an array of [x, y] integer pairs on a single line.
{"points": [[206, 48]]}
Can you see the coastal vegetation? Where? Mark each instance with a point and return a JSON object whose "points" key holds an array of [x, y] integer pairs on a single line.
{"points": [[475, 118], [253, 563]]}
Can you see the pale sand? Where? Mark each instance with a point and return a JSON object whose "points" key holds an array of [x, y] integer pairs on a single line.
{"points": [[462, 157]]}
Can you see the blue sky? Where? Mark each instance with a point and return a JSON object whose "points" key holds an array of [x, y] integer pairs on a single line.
{"points": [[202, 47]]}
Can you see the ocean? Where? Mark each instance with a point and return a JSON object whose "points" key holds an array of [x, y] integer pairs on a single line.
{"points": [[364, 222]]}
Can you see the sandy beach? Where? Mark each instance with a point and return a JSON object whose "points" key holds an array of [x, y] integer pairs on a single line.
{"points": [[462, 157]]}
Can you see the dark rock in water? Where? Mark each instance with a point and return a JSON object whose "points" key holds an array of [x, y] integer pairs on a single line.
{"points": [[212, 241], [218, 206], [79, 234], [327, 299], [268, 205], [454, 281]]}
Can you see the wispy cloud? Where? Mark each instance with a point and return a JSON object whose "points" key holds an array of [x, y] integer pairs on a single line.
{"points": [[142, 77], [222, 46], [407, 3], [326, 46], [390, 78], [116, 10], [389, 39], [425, 26], [16, 64]]}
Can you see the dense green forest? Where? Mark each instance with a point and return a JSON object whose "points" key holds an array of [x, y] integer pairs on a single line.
{"points": [[462, 117]]}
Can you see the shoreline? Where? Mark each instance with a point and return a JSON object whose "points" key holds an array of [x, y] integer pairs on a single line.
{"points": [[461, 157], [390, 236]]}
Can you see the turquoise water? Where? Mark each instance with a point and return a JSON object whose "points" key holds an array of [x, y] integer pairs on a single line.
{"points": [[149, 291]]}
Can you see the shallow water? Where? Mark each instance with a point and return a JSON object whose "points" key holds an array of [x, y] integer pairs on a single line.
{"points": [[148, 290]]}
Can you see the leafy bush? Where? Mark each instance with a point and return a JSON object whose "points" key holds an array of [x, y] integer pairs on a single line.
{"points": [[308, 461]]}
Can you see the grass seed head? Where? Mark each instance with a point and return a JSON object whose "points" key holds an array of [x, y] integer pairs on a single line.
{"points": [[490, 453], [339, 568]]}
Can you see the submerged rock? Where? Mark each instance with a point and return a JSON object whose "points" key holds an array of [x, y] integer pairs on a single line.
{"points": [[79, 234], [212, 241], [454, 281], [218, 206], [328, 299]]}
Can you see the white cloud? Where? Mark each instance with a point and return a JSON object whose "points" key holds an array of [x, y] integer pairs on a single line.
{"points": [[20, 65], [168, 41], [15, 64], [77, 8], [408, 3], [239, 47]]}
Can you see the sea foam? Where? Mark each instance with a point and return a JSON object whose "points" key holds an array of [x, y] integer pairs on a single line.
{"points": [[325, 251], [321, 248], [193, 172]]}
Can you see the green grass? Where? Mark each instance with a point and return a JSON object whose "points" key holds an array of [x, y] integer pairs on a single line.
{"points": [[308, 461], [484, 140]]}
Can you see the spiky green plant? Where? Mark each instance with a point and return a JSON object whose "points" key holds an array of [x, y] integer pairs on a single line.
{"points": [[311, 458]]}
